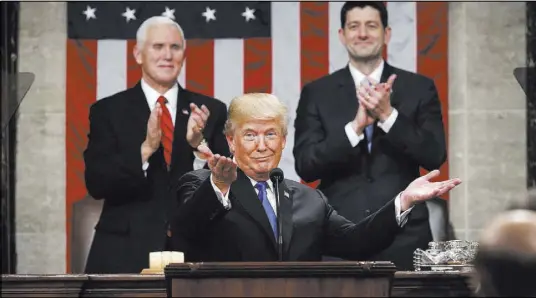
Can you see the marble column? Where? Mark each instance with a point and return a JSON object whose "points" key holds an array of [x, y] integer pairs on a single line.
{"points": [[487, 112], [40, 208], [531, 95]]}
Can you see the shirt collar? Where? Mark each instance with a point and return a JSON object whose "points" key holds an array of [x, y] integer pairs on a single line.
{"points": [[254, 182], [358, 76], [152, 95], [269, 187]]}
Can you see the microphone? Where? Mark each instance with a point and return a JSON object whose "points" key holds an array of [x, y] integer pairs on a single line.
{"points": [[276, 176]]}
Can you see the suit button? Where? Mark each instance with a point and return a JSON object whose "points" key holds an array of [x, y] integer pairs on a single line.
{"points": [[367, 212], [370, 180]]}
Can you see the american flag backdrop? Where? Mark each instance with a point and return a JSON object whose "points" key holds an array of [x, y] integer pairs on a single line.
{"points": [[233, 48]]}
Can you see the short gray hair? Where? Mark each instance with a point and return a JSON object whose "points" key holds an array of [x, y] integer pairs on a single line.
{"points": [[141, 34]]}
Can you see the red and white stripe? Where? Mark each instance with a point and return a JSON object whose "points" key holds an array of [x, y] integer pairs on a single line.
{"points": [[304, 46]]}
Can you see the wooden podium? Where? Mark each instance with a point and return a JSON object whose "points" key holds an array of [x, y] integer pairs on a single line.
{"points": [[280, 279]]}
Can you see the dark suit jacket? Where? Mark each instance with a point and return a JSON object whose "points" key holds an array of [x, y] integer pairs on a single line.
{"points": [[310, 225], [136, 208], [357, 182]]}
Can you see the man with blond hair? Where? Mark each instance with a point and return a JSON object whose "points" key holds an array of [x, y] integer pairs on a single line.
{"points": [[141, 141], [229, 213]]}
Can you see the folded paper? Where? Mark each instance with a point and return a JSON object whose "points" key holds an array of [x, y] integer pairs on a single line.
{"points": [[160, 259]]}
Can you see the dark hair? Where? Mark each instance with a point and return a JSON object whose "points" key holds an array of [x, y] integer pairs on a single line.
{"points": [[378, 5], [505, 273]]}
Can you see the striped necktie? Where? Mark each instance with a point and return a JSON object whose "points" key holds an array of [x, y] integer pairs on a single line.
{"points": [[166, 125]]}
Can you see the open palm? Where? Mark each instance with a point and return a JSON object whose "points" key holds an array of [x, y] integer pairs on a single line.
{"points": [[422, 189]]}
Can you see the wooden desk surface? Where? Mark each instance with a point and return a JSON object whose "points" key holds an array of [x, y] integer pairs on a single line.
{"points": [[405, 284]]}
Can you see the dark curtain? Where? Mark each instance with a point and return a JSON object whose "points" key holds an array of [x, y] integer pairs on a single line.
{"points": [[9, 18]]}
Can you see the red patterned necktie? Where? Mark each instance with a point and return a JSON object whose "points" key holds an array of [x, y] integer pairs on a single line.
{"points": [[166, 124]]}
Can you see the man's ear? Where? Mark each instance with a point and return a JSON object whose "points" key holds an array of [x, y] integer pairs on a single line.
{"points": [[230, 143], [137, 54], [387, 35]]}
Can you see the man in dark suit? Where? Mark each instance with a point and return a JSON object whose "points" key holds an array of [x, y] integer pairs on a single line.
{"points": [[230, 212], [366, 129], [141, 141]]}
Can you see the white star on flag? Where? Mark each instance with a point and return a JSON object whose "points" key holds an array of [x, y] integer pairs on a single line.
{"points": [[249, 14], [129, 14], [90, 13], [170, 13], [209, 14]]}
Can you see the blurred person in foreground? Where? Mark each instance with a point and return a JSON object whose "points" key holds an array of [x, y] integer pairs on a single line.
{"points": [[366, 130], [141, 141], [506, 260], [228, 213]]}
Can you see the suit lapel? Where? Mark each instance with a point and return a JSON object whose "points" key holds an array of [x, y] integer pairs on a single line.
{"points": [[347, 89], [285, 199], [245, 195], [140, 112], [181, 149]]}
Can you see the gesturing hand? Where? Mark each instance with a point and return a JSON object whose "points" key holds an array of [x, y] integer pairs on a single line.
{"points": [[421, 189], [377, 98], [196, 124], [154, 134], [361, 120], [223, 169]]}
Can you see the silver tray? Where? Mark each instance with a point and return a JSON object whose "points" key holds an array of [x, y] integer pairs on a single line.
{"points": [[446, 267]]}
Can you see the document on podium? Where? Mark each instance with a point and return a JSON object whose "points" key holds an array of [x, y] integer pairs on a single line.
{"points": [[24, 82]]}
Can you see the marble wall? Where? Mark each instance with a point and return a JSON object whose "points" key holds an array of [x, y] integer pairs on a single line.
{"points": [[487, 111], [487, 147], [531, 95], [40, 201]]}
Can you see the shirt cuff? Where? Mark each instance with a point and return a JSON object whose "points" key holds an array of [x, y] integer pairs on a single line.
{"points": [[144, 167], [353, 137], [388, 123], [224, 199], [401, 219], [199, 163]]}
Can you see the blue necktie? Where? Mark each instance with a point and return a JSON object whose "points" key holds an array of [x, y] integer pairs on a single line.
{"points": [[261, 187], [370, 128], [368, 131]]}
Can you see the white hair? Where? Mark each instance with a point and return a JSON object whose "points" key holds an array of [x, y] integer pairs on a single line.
{"points": [[141, 34]]}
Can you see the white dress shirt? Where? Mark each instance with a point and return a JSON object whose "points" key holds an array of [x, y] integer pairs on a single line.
{"points": [[171, 96], [401, 219]]}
